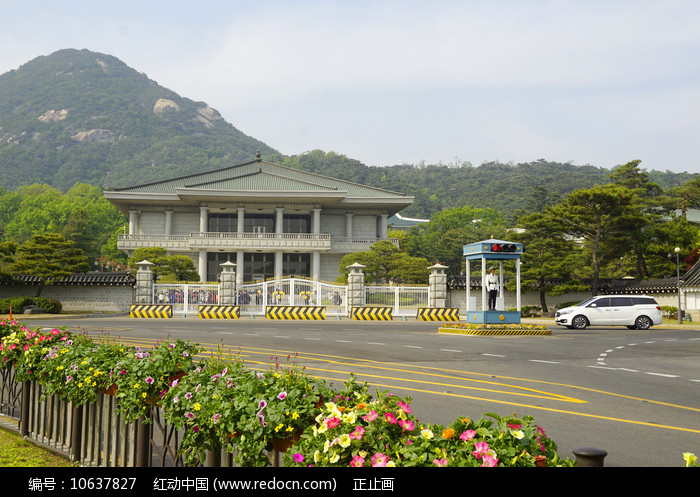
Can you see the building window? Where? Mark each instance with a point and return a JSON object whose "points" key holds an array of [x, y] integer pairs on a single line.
{"points": [[223, 223], [297, 224], [296, 265], [258, 266], [259, 223], [214, 261]]}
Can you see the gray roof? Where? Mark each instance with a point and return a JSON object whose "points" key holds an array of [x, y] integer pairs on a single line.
{"points": [[260, 175]]}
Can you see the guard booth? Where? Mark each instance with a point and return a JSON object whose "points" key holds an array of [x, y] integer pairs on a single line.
{"points": [[488, 252]]}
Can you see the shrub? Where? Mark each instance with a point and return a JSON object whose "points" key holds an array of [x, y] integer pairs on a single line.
{"points": [[16, 303], [52, 306]]}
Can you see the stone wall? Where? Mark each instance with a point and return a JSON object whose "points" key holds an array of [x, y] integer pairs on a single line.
{"points": [[74, 298]]}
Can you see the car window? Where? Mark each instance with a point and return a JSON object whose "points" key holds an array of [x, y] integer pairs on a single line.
{"points": [[621, 301], [644, 300], [601, 302]]}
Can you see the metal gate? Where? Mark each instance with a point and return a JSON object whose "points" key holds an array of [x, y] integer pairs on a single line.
{"points": [[405, 300], [185, 298], [253, 298]]}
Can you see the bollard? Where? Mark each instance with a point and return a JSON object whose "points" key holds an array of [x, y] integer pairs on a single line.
{"points": [[589, 457]]}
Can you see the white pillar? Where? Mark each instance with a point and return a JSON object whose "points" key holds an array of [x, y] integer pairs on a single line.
{"points": [[484, 305], [241, 228], [168, 222], [348, 224], [278, 265], [517, 294], [279, 224], [316, 265], [203, 219], [202, 265], [383, 228], [317, 221], [240, 262], [133, 222]]}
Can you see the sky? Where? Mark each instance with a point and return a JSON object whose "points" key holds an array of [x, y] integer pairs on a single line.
{"points": [[392, 82]]}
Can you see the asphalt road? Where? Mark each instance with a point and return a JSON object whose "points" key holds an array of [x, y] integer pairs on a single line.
{"points": [[634, 394]]}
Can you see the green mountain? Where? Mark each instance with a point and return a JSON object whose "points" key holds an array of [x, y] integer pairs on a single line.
{"points": [[80, 116]]}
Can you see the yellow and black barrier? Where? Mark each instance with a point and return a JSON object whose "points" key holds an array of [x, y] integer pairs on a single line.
{"points": [[219, 312], [307, 312], [433, 314], [151, 311], [373, 313]]}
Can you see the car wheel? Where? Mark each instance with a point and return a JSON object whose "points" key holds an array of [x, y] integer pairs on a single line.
{"points": [[642, 323], [579, 322]]}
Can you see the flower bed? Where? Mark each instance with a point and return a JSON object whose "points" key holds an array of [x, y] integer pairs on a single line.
{"points": [[221, 402]]}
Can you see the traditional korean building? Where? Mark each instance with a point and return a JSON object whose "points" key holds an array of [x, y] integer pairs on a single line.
{"points": [[270, 220]]}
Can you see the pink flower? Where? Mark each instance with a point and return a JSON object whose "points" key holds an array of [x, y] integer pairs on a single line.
{"points": [[540, 432], [514, 426], [357, 433], [467, 435], [298, 457], [488, 461], [481, 449], [390, 418], [379, 460], [371, 416], [332, 422], [407, 425], [406, 408], [282, 395], [440, 462], [149, 380], [357, 461]]}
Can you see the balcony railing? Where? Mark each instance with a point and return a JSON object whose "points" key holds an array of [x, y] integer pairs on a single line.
{"points": [[249, 241]]}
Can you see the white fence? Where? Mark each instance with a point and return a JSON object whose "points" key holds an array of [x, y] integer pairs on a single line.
{"points": [[185, 298], [405, 300], [255, 297]]}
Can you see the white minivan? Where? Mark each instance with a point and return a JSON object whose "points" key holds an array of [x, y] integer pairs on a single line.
{"points": [[634, 311]]}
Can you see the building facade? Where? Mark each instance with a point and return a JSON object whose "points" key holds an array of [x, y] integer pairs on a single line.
{"points": [[270, 220]]}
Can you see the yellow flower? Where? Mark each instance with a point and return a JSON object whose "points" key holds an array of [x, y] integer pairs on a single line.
{"points": [[144, 395], [295, 415], [279, 427]]}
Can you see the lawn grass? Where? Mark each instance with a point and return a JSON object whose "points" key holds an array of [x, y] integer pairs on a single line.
{"points": [[17, 452]]}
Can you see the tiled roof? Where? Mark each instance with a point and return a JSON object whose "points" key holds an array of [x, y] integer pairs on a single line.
{"points": [[259, 175], [92, 278], [605, 285], [692, 277]]}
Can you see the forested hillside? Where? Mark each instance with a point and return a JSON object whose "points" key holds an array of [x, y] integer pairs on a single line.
{"points": [[79, 116]]}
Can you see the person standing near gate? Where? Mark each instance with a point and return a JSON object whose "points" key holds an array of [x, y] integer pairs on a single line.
{"points": [[492, 287]]}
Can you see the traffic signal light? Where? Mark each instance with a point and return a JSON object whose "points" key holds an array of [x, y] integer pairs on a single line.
{"points": [[503, 247]]}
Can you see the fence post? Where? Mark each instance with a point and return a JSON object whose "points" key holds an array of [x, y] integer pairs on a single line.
{"points": [[24, 420], [143, 443], [75, 435], [356, 286], [144, 283], [437, 286], [228, 283]]}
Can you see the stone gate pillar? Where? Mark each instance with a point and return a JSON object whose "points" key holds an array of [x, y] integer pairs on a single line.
{"points": [[438, 286], [356, 285], [144, 283], [227, 292]]}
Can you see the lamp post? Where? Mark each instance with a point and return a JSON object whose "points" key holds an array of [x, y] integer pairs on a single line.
{"points": [[677, 250]]}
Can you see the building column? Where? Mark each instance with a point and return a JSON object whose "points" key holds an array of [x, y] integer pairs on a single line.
{"points": [[203, 219], [168, 223], [202, 265], [356, 285], [316, 221], [383, 228], [348, 225], [279, 223], [316, 265], [240, 264], [279, 264], [241, 227], [133, 222]]}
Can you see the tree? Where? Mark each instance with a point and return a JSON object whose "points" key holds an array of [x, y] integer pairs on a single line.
{"points": [[600, 217], [49, 256], [165, 267], [384, 262], [548, 254]]}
